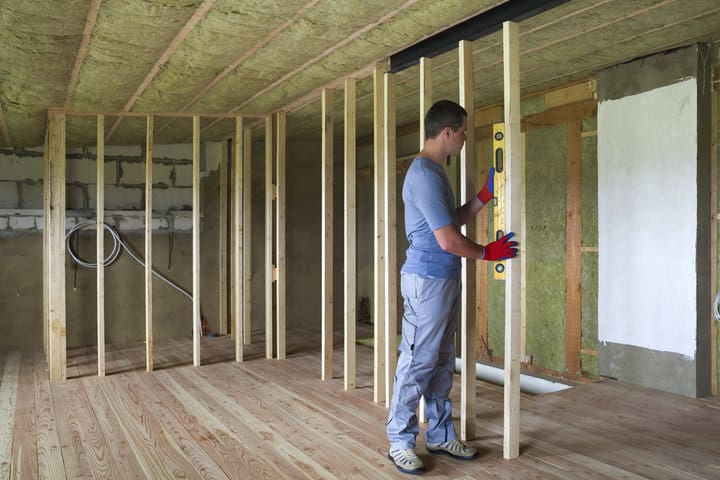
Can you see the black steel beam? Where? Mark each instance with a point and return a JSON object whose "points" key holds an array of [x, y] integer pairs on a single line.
{"points": [[473, 28]]}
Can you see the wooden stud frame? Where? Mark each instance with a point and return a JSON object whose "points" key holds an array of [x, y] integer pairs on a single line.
{"points": [[379, 230], [238, 246], [197, 322], [468, 311], [350, 250], [390, 214], [247, 236], [511, 68], [713, 238], [268, 237], [100, 244], [148, 245], [46, 245], [425, 104], [222, 240], [57, 341], [281, 122], [573, 298], [326, 288]]}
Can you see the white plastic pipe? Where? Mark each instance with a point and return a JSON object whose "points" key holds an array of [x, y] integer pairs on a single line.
{"points": [[528, 383]]}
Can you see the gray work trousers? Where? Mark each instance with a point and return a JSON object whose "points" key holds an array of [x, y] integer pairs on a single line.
{"points": [[427, 360]]}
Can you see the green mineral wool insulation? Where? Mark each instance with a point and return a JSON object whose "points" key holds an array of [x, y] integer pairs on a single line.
{"points": [[546, 185]]}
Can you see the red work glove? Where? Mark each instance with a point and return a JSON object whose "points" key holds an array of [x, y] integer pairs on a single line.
{"points": [[501, 249], [488, 191]]}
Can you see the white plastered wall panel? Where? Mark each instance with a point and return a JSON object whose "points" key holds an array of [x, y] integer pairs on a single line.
{"points": [[647, 197]]}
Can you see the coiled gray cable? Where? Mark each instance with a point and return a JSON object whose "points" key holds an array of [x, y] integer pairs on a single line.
{"points": [[118, 246]]}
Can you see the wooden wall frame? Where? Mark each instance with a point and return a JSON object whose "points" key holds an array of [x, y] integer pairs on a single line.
{"points": [[269, 270], [511, 69], [468, 310], [280, 281], [350, 240], [100, 243], [149, 135], [238, 266], [326, 289], [390, 234], [379, 231]]}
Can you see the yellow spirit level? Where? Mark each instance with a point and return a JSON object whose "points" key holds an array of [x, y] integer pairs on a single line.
{"points": [[499, 201]]}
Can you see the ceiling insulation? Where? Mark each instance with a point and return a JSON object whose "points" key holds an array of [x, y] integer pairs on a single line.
{"points": [[227, 56]]}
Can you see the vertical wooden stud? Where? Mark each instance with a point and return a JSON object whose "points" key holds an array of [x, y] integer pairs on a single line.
{"points": [[425, 104], [468, 310], [269, 187], [247, 237], [390, 214], [238, 246], [327, 234], [57, 341], [511, 69], [522, 239], [379, 230], [197, 322], [222, 239], [281, 118], [47, 176], [350, 255], [713, 238], [573, 276], [100, 243], [148, 244]]}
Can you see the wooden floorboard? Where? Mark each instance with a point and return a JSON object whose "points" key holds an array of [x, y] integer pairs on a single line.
{"points": [[270, 419]]}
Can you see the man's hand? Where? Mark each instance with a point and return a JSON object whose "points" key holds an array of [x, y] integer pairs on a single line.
{"points": [[501, 249], [488, 191]]}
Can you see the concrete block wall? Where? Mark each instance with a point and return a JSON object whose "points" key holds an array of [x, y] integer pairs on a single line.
{"points": [[22, 172]]}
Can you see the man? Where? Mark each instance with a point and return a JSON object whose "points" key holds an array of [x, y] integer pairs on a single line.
{"points": [[430, 285]]}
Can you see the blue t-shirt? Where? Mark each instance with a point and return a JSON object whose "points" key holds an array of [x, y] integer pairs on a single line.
{"points": [[429, 205]]}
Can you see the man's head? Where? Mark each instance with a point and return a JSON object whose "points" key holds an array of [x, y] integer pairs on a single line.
{"points": [[441, 115], [445, 125]]}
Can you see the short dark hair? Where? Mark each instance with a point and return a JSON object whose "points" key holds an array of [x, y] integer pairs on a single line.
{"points": [[444, 113]]}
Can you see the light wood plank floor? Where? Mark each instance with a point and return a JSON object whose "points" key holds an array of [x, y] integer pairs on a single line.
{"points": [[268, 419]]}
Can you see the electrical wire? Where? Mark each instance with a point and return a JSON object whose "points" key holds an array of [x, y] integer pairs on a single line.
{"points": [[118, 246]]}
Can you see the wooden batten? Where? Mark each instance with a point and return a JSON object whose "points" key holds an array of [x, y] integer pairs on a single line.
{"points": [[573, 276], [379, 230], [513, 199], [197, 321], [223, 238], [326, 289], [46, 246], [468, 312], [350, 240], [713, 238], [57, 318], [390, 214], [268, 237], [280, 294], [100, 243], [425, 104], [237, 233], [247, 236], [149, 134]]}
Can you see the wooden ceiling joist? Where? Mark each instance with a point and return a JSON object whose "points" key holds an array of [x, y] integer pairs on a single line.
{"points": [[172, 48], [82, 50]]}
